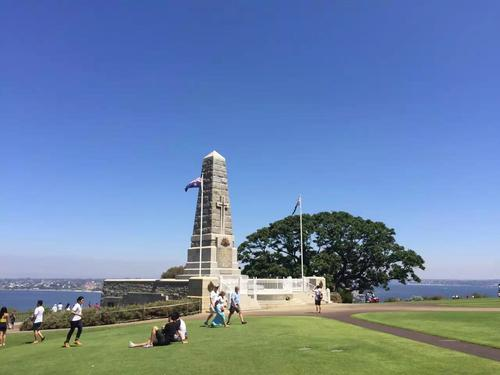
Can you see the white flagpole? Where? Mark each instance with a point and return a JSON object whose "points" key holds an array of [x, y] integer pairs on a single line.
{"points": [[201, 221], [301, 244]]}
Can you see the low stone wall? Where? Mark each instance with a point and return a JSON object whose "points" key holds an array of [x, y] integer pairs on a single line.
{"points": [[140, 291]]}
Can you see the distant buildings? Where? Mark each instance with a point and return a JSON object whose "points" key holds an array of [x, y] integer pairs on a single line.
{"points": [[51, 284]]}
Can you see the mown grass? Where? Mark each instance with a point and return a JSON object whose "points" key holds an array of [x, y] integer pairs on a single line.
{"points": [[471, 326], [470, 302], [266, 345]]}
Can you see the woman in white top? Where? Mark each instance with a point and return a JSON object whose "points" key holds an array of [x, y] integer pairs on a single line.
{"points": [[37, 322], [76, 322], [214, 295]]}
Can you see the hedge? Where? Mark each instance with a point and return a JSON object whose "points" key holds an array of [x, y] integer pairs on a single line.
{"points": [[120, 314]]}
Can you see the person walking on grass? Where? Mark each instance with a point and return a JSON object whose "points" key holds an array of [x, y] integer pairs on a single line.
{"points": [[12, 319], [76, 323], [161, 336], [37, 322], [318, 296], [4, 319], [235, 306], [214, 296], [220, 317]]}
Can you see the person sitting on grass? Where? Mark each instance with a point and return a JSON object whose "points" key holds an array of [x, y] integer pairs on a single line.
{"points": [[4, 318], [181, 334], [220, 317], [161, 337]]}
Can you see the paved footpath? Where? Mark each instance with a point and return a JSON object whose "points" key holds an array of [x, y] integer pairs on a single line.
{"points": [[343, 313]]}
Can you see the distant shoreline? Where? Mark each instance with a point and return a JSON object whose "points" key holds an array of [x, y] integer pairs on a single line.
{"points": [[50, 290]]}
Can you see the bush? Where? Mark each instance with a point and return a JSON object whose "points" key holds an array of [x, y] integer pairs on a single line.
{"points": [[479, 295], [346, 296], [393, 299], [416, 298], [433, 298], [119, 314], [335, 297]]}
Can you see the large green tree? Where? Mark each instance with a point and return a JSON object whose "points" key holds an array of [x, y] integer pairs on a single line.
{"points": [[352, 253], [172, 272]]}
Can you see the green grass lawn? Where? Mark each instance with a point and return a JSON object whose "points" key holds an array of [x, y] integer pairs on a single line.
{"points": [[472, 326], [476, 302], [267, 345]]}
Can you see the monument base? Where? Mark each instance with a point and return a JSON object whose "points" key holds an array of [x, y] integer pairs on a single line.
{"points": [[215, 261]]}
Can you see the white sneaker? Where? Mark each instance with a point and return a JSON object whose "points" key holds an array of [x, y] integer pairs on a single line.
{"points": [[148, 346], [131, 344]]}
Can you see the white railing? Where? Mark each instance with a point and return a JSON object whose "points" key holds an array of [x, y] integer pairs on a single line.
{"points": [[254, 287]]}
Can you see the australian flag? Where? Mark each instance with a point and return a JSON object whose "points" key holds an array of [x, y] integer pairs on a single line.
{"points": [[195, 183], [296, 205]]}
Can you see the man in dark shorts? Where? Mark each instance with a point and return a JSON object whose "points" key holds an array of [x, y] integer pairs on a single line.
{"points": [[318, 296], [37, 322], [234, 307], [161, 337]]}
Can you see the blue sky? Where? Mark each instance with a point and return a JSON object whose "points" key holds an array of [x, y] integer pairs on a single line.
{"points": [[388, 110]]}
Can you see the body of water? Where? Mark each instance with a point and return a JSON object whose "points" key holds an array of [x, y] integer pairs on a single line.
{"points": [[443, 288], [24, 300]]}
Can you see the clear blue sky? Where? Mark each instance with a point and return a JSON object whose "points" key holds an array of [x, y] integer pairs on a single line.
{"points": [[388, 110]]}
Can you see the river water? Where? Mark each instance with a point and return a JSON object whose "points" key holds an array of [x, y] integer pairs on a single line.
{"points": [[24, 300]]}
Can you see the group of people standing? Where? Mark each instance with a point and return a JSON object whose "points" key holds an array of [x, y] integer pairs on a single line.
{"points": [[37, 320], [217, 304]]}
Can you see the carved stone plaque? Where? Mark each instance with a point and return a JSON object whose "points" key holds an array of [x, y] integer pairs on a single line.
{"points": [[225, 257]]}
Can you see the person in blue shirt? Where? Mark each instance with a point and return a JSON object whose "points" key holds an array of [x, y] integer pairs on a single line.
{"points": [[235, 306]]}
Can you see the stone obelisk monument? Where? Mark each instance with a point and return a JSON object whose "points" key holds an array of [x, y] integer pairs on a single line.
{"points": [[218, 253]]}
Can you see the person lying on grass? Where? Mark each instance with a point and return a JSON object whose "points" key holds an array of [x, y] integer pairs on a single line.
{"points": [[161, 336]]}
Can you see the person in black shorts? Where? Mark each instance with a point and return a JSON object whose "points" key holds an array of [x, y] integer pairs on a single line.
{"points": [[163, 336], [4, 319], [12, 319], [235, 307], [37, 319], [318, 296]]}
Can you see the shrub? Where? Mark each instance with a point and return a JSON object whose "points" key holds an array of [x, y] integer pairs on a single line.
{"points": [[479, 295], [335, 297], [119, 314], [433, 298], [416, 298], [346, 296], [393, 299]]}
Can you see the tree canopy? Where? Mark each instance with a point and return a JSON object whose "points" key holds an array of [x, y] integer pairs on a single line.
{"points": [[172, 272], [352, 253]]}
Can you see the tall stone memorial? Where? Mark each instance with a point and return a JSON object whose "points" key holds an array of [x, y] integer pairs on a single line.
{"points": [[218, 253]]}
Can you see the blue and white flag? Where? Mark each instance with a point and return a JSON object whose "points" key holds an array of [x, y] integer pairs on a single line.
{"points": [[195, 183], [296, 205]]}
